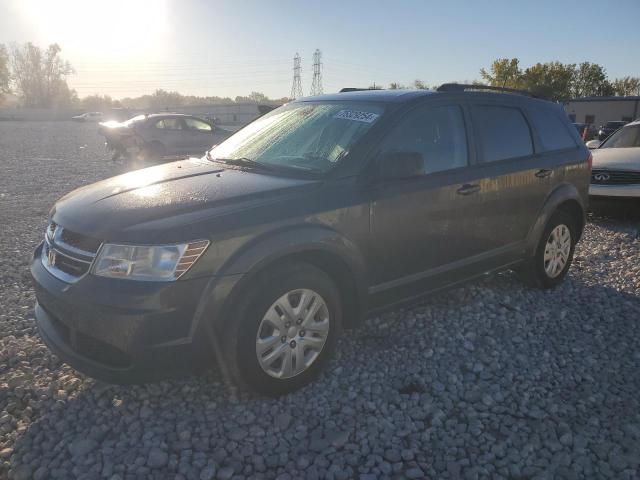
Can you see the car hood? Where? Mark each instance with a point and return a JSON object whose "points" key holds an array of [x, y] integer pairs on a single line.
{"points": [[617, 158], [158, 200]]}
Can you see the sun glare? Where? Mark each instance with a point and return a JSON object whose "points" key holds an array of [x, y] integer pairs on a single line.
{"points": [[99, 30]]}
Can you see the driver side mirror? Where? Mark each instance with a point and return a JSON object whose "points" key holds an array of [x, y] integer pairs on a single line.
{"points": [[593, 144], [399, 165]]}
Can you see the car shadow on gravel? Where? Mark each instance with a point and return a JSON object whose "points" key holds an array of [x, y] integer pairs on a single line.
{"points": [[491, 363], [615, 212]]}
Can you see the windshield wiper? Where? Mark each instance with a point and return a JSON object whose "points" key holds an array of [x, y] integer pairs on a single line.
{"points": [[270, 167], [242, 162]]}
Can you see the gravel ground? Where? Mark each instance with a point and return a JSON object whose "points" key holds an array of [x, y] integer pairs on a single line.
{"points": [[491, 380]]}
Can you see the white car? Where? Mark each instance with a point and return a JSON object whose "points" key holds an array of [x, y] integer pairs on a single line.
{"points": [[616, 164], [89, 117]]}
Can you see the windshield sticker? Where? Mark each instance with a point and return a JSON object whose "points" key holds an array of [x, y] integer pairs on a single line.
{"points": [[365, 117]]}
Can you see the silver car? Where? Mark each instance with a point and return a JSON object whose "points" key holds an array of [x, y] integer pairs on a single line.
{"points": [[160, 135], [616, 164]]}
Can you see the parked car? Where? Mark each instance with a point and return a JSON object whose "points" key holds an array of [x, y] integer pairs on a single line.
{"points": [[259, 254], [158, 135], [590, 132], [608, 128], [616, 164], [89, 117]]}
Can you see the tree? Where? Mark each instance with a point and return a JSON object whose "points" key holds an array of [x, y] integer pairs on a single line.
{"points": [[40, 76], [591, 80], [420, 85], [396, 86], [552, 80], [97, 102], [626, 86], [504, 72], [4, 71], [161, 99]]}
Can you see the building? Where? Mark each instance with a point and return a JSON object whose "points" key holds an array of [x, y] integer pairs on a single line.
{"points": [[599, 110]]}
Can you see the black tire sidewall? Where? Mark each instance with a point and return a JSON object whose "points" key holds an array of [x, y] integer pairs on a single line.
{"points": [[543, 279], [262, 293]]}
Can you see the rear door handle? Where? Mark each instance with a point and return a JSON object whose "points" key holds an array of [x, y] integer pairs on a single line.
{"points": [[468, 189], [544, 173]]}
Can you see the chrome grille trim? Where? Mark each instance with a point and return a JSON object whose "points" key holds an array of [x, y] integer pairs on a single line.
{"points": [[614, 177], [82, 259]]}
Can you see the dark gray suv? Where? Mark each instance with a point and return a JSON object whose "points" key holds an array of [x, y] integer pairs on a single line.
{"points": [[259, 254]]}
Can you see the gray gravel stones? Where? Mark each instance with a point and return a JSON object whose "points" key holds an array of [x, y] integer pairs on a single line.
{"points": [[491, 380]]}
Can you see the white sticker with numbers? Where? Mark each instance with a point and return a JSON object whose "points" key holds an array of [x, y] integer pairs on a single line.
{"points": [[357, 116]]}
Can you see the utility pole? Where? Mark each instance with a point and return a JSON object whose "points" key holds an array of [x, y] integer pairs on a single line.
{"points": [[316, 84], [296, 88]]}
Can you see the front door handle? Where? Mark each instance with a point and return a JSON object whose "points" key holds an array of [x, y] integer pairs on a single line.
{"points": [[468, 189], [544, 173]]}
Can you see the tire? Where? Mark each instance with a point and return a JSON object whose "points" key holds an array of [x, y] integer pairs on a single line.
{"points": [[540, 272], [254, 332]]}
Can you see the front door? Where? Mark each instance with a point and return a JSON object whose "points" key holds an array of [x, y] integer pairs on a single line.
{"points": [[200, 135], [422, 228]]}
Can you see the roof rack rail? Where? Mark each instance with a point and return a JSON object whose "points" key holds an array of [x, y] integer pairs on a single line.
{"points": [[354, 89], [462, 87]]}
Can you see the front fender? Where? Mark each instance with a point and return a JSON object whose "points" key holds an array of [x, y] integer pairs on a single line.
{"points": [[564, 192], [267, 249], [291, 240]]}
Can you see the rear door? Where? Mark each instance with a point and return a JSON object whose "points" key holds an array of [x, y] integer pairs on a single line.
{"points": [[514, 179]]}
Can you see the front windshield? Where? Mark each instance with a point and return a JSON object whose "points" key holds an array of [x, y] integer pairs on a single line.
{"points": [[311, 136], [624, 138]]}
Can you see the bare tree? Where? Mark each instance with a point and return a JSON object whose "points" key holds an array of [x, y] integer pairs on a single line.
{"points": [[4, 71], [40, 77]]}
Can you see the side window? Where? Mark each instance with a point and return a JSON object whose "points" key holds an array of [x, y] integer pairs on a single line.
{"points": [[169, 124], [504, 133], [552, 130], [197, 125], [437, 133]]}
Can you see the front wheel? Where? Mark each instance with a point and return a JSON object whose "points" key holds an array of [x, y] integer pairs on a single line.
{"points": [[553, 255], [286, 330]]}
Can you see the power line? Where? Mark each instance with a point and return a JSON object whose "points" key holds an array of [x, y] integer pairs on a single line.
{"points": [[296, 88], [316, 84]]}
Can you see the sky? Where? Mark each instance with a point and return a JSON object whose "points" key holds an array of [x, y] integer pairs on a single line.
{"points": [[233, 47]]}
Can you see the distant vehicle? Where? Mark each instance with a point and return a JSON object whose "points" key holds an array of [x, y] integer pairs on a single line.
{"points": [[590, 133], [616, 164], [89, 117], [608, 128], [330, 207], [159, 135]]}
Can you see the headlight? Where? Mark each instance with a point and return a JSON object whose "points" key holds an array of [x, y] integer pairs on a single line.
{"points": [[162, 263]]}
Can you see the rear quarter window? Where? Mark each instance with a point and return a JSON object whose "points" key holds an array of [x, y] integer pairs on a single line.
{"points": [[553, 132], [504, 132]]}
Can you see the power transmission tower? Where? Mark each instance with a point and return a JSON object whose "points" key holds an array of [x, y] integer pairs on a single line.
{"points": [[296, 88], [316, 85]]}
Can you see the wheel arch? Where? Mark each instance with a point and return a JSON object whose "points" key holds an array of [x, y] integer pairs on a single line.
{"points": [[566, 198], [320, 246]]}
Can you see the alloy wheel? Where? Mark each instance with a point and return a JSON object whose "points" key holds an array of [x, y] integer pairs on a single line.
{"points": [[292, 333], [557, 250]]}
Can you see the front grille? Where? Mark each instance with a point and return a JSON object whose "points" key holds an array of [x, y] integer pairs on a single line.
{"points": [[68, 255], [615, 177], [79, 241]]}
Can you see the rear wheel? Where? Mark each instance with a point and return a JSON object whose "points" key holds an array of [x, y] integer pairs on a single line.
{"points": [[286, 330], [554, 253]]}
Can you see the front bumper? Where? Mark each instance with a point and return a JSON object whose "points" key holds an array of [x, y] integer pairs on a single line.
{"points": [[614, 190], [122, 331]]}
